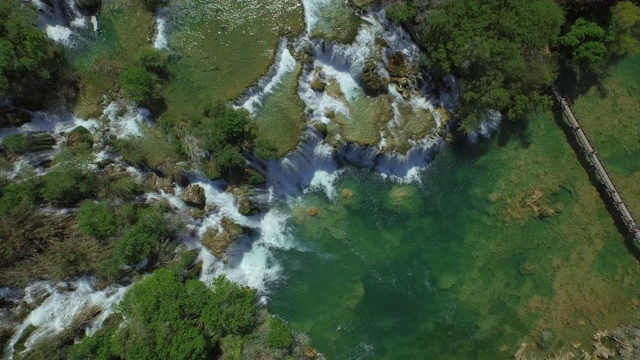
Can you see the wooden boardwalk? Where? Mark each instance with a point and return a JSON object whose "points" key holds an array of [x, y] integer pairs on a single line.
{"points": [[590, 151]]}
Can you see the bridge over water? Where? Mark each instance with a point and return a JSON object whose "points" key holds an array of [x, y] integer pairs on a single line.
{"points": [[599, 167]]}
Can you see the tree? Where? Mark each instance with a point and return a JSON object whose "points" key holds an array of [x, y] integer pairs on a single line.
{"points": [[279, 335], [586, 42], [97, 219], [138, 84], [625, 24], [28, 61], [499, 50]]}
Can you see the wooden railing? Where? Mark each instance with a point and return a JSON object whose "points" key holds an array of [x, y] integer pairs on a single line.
{"points": [[620, 204]]}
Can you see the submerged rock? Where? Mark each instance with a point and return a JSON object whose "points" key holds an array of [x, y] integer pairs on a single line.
{"points": [[15, 117], [446, 281], [194, 195]]}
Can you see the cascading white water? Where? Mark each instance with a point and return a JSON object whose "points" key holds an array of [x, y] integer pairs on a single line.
{"points": [[63, 21], [59, 306], [160, 39]]}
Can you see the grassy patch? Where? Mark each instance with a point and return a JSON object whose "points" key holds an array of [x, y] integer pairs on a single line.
{"points": [[611, 114], [280, 118], [367, 118], [223, 47], [126, 26]]}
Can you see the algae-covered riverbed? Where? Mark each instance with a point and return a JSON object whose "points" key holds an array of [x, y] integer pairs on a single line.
{"points": [[502, 243]]}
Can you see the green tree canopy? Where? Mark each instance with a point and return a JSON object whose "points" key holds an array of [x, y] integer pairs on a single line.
{"points": [[500, 50], [625, 22], [27, 58], [586, 41], [168, 318]]}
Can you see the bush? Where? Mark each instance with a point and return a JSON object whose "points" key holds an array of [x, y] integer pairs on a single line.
{"points": [[401, 12], [138, 84], [134, 246], [27, 58], [18, 198], [138, 242], [16, 143], [230, 310], [279, 335], [154, 60], [231, 346], [97, 220], [67, 184]]}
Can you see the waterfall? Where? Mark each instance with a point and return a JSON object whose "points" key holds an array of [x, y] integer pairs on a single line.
{"points": [[63, 21], [161, 40]]}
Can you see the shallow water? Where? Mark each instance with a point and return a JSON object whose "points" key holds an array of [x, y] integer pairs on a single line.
{"points": [[451, 267]]}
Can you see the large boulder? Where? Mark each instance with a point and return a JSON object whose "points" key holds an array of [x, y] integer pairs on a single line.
{"points": [[79, 135], [159, 183], [373, 83], [219, 241], [194, 195]]}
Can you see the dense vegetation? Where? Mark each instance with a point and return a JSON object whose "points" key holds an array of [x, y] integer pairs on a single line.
{"points": [[167, 315], [28, 61], [507, 53]]}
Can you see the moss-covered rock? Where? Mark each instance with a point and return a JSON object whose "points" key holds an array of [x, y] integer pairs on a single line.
{"points": [[79, 135], [373, 83]]}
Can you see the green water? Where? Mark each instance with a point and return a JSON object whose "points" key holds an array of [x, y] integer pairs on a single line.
{"points": [[451, 268]]}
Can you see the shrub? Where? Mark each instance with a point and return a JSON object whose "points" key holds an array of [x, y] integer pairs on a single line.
{"points": [[231, 346], [18, 198], [230, 310], [134, 246], [16, 143], [138, 84], [68, 184], [279, 335], [138, 242], [153, 60], [97, 220], [401, 12]]}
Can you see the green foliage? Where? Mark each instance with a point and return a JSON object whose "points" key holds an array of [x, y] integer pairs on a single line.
{"points": [[97, 219], [279, 335], [223, 132], [154, 60], [167, 318], [231, 310], [16, 143], [138, 242], [231, 346], [586, 41], [152, 149], [27, 59], [497, 49], [138, 84], [18, 198], [69, 182], [401, 12], [265, 149], [625, 23]]}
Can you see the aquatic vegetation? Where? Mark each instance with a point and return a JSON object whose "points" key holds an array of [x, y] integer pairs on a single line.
{"points": [[223, 47], [332, 20], [609, 112]]}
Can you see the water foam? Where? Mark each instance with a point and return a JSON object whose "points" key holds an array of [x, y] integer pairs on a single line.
{"points": [[161, 40], [61, 306]]}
